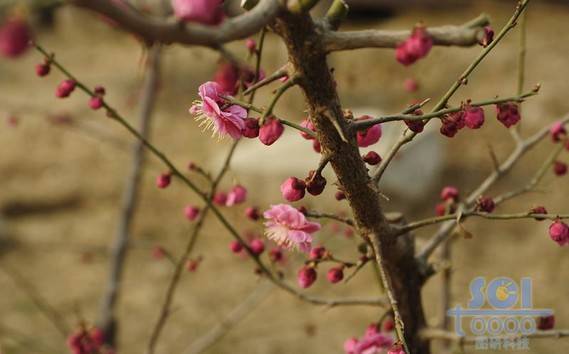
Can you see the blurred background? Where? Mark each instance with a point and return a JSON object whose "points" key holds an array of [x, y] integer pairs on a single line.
{"points": [[63, 168]]}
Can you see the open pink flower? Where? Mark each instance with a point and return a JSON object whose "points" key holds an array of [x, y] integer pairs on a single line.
{"points": [[289, 228], [207, 12], [222, 120]]}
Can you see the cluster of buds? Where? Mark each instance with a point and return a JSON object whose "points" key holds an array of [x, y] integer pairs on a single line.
{"points": [[307, 275], [449, 197]]}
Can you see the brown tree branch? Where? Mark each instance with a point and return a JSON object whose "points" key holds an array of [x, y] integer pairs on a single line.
{"points": [[108, 321], [464, 35], [153, 29], [307, 55]]}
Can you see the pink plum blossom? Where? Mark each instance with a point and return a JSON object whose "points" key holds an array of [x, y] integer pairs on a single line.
{"points": [[213, 114], [289, 228]]}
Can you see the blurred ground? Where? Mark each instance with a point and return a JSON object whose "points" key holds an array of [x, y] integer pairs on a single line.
{"points": [[63, 252]]}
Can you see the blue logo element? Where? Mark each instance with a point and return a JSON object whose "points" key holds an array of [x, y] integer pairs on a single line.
{"points": [[499, 307]]}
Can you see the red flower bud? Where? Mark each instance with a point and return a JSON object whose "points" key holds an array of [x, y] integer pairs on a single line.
{"points": [[559, 168], [271, 131], [508, 113], [95, 102], [473, 117], [306, 277], [235, 246], [449, 193], [487, 37], [43, 69], [372, 158], [293, 189], [559, 232], [252, 213], [317, 253], [546, 323], [163, 180], [335, 275], [538, 210], [191, 212], [485, 204], [315, 184], [251, 129]]}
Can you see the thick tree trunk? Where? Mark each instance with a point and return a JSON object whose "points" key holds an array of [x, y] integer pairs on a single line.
{"points": [[308, 57]]}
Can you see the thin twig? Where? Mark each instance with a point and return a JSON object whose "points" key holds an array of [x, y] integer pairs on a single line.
{"points": [[318, 215], [538, 176], [292, 81], [108, 319], [259, 55], [279, 74], [179, 265], [513, 216], [364, 124], [237, 315], [37, 299]]}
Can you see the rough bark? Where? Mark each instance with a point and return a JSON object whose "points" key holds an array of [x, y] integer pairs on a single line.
{"points": [[308, 57]]}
